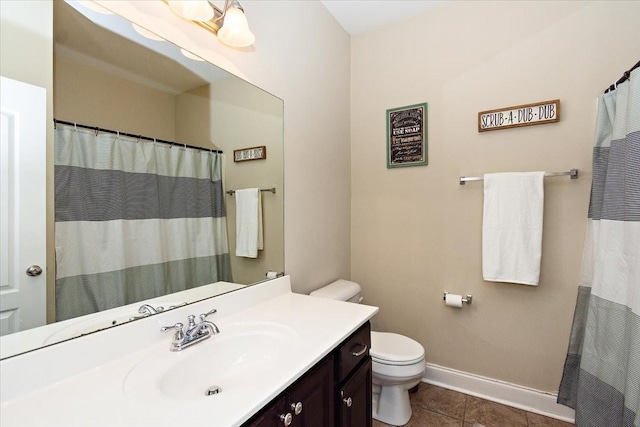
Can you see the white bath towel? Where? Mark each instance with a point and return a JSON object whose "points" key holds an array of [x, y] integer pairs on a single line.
{"points": [[512, 227], [249, 237]]}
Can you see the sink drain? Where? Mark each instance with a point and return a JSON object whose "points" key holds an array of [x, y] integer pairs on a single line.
{"points": [[214, 389]]}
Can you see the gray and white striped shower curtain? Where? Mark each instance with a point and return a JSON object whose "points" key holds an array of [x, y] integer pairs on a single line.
{"points": [[134, 220], [601, 378]]}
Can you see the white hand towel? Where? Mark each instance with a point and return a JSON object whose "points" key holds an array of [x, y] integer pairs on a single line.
{"points": [[512, 227], [248, 222]]}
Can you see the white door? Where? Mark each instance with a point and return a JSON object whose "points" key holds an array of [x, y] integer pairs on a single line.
{"points": [[22, 206]]}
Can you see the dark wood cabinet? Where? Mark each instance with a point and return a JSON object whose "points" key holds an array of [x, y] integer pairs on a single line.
{"points": [[335, 392], [355, 398], [353, 375], [311, 399], [274, 415]]}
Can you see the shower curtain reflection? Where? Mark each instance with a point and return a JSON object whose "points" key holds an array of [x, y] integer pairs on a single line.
{"points": [[134, 220]]}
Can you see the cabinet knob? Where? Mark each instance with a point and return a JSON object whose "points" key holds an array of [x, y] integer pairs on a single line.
{"points": [[347, 401], [286, 419], [297, 408]]}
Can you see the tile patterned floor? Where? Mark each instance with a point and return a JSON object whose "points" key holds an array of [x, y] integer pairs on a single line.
{"points": [[435, 406]]}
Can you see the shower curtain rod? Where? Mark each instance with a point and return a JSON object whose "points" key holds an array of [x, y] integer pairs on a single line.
{"points": [[146, 138], [622, 79]]}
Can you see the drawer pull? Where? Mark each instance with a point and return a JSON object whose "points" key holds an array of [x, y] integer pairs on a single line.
{"points": [[286, 419], [297, 408], [348, 401], [361, 352]]}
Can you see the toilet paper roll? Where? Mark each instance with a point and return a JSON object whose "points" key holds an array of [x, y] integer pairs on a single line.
{"points": [[453, 300], [271, 274]]}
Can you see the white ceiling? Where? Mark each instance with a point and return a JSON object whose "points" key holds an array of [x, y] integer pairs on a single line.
{"points": [[359, 16]]}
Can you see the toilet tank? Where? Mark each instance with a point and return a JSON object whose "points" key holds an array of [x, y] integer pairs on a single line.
{"points": [[341, 290]]}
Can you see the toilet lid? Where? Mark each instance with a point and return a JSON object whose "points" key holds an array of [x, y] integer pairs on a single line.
{"points": [[395, 349]]}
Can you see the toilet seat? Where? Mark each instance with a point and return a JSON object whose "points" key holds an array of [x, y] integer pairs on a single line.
{"points": [[394, 349]]}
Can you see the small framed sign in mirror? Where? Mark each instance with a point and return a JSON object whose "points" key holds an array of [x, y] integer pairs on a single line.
{"points": [[251, 153]]}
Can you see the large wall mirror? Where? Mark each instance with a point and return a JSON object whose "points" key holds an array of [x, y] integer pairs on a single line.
{"points": [[110, 75]]}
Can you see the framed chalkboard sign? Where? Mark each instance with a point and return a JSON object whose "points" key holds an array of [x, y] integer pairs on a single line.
{"points": [[407, 136]]}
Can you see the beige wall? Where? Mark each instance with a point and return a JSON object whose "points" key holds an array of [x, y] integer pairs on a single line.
{"points": [[26, 54], [301, 55], [417, 233], [87, 95]]}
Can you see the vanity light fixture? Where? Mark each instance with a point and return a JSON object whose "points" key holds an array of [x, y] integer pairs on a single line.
{"points": [[229, 24]]}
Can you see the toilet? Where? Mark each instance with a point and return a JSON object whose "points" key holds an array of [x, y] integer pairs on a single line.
{"points": [[398, 361]]}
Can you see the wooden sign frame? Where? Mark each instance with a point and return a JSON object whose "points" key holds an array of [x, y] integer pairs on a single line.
{"points": [[537, 113], [407, 136], [250, 153]]}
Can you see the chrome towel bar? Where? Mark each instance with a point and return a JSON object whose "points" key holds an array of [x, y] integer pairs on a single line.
{"points": [[573, 174], [271, 190]]}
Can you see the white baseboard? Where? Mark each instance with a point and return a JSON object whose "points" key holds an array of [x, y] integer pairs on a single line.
{"points": [[502, 392]]}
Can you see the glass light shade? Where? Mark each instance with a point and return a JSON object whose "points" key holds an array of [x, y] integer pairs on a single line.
{"points": [[95, 7], [146, 33], [195, 10], [235, 29], [190, 55]]}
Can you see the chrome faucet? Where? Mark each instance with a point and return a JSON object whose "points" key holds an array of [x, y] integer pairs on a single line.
{"points": [[194, 332], [148, 310]]}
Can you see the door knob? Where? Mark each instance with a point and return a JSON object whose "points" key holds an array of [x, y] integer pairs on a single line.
{"points": [[34, 270], [348, 401]]}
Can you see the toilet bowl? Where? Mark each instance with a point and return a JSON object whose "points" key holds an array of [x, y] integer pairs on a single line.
{"points": [[397, 362]]}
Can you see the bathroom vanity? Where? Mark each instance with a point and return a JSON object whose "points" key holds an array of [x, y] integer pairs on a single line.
{"points": [[277, 353], [335, 392]]}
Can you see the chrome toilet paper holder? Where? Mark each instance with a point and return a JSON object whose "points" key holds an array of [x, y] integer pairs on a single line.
{"points": [[465, 300]]}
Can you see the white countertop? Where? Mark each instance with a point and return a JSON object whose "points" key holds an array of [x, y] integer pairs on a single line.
{"points": [[30, 339], [91, 393]]}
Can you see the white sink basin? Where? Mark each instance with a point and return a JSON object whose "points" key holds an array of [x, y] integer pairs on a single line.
{"points": [[232, 360]]}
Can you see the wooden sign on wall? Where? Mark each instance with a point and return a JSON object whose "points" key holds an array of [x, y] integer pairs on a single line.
{"points": [[519, 115], [251, 153]]}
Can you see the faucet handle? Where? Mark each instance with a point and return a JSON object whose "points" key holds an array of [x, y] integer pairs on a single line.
{"points": [[204, 316], [177, 328], [192, 321]]}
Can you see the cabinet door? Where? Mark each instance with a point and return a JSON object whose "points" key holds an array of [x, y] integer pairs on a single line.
{"points": [[275, 415], [354, 398], [311, 399]]}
